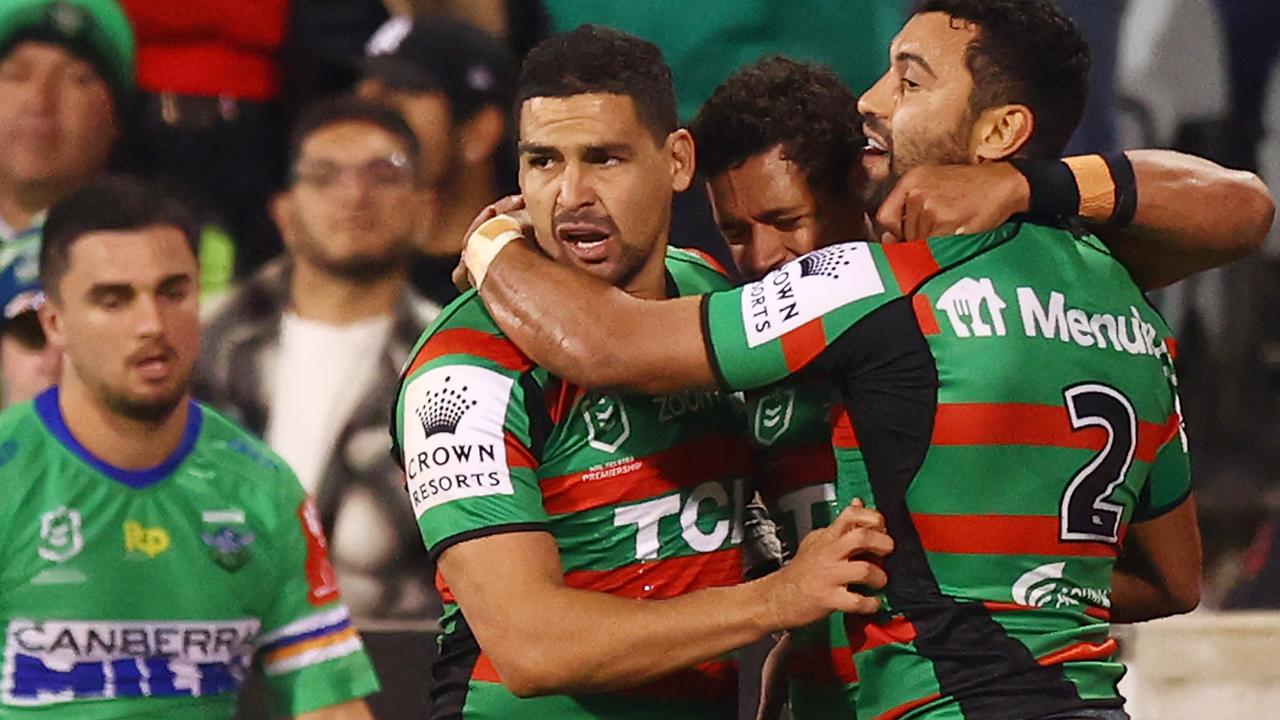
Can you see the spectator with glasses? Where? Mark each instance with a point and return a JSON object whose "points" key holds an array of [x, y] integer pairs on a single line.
{"points": [[306, 352]]}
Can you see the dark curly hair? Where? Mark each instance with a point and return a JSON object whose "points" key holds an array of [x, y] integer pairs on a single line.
{"points": [[1026, 52], [801, 106], [595, 59]]}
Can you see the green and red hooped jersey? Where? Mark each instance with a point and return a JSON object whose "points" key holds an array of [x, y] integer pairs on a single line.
{"points": [[643, 495], [149, 593], [1014, 401], [795, 474]]}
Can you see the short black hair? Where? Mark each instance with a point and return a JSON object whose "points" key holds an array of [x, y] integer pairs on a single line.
{"points": [[595, 59], [801, 106], [108, 203], [349, 108], [1027, 52]]}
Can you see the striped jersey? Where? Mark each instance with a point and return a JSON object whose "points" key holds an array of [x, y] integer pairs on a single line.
{"points": [[643, 495], [1011, 407], [795, 474], [148, 594]]}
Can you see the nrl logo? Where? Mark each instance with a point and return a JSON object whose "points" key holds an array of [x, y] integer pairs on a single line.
{"points": [[773, 415], [444, 409], [60, 536], [607, 423]]}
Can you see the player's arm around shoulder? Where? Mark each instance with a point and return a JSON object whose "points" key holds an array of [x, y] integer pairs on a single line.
{"points": [[353, 710], [546, 638]]}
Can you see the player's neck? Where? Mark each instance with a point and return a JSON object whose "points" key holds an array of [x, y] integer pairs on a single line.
{"points": [[323, 297], [650, 283], [116, 439]]}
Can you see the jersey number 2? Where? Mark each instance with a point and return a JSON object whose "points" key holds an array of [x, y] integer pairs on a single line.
{"points": [[1086, 514]]}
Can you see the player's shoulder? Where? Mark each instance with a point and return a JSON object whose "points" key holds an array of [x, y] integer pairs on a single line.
{"points": [[223, 444], [22, 436], [465, 334], [695, 272]]}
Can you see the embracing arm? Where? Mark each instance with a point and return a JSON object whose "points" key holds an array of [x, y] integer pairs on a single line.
{"points": [[353, 710], [546, 638], [591, 333], [1158, 572]]}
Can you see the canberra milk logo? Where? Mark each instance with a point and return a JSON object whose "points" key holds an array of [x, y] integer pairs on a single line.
{"points": [[1045, 587], [461, 449], [973, 308], [607, 423], [808, 288], [444, 408]]}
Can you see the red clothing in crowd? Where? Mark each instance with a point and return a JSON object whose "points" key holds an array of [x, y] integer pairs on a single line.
{"points": [[209, 47]]}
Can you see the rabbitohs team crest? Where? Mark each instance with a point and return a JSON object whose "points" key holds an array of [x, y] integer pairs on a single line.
{"points": [[772, 415], [228, 537], [607, 422]]}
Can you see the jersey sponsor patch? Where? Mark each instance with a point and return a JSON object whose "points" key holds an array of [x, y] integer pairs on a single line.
{"points": [[454, 440], [322, 581], [57, 661], [808, 288]]}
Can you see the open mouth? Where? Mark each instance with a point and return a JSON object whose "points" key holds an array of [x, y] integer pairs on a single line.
{"points": [[875, 147], [154, 366], [588, 242]]}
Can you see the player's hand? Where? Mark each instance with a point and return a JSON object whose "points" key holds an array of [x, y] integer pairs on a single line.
{"points": [[935, 200], [816, 581], [512, 205]]}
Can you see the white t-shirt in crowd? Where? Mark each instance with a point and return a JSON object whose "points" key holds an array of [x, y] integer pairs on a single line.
{"points": [[322, 373]]}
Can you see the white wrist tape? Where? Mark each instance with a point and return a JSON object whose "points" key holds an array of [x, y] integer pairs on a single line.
{"points": [[486, 242]]}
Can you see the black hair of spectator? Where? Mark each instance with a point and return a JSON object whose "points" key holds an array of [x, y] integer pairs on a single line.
{"points": [[595, 59], [108, 203], [1026, 52], [349, 108], [804, 107]]}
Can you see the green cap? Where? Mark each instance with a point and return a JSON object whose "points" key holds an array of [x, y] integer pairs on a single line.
{"points": [[96, 30]]}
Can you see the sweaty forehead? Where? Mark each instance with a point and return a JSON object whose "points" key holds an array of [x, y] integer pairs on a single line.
{"points": [[589, 119], [938, 38]]}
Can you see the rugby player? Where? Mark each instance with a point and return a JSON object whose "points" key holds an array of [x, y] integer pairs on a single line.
{"points": [[589, 542], [153, 549], [971, 634]]}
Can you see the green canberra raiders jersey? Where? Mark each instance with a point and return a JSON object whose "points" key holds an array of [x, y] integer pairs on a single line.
{"points": [[1010, 408], [148, 594], [643, 495], [795, 474]]}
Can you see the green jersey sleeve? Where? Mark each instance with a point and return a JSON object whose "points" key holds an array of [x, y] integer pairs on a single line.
{"points": [[310, 653], [467, 437], [762, 332]]}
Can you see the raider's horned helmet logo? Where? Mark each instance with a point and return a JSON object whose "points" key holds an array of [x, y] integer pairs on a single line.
{"points": [[444, 409], [826, 262]]}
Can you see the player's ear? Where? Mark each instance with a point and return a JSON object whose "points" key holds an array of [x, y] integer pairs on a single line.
{"points": [[679, 147], [1001, 132], [50, 317]]}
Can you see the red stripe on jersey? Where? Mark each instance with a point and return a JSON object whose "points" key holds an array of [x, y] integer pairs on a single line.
{"points": [[446, 595], [1081, 652], [925, 317], [911, 263], [704, 257], [707, 681], [905, 708], [483, 669], [517, 454], [560, 398], [865, 635], [660, 579], [1001, 535], [707, 458], [1026, 424], [1094, 612], [794, 468], [1172, 344], [465, 341], [803, 344], [824, 665], [842, 433]]}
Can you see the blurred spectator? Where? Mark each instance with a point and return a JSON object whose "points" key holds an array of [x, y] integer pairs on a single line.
{"points": [[1252, 29], [453, 84], [307, 352], [66, 73], [208, 118]]}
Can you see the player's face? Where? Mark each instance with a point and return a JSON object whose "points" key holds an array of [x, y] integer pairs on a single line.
{"points": [[769, 215], [353, 208], [126, 318], [918, 112], [56, 121], [598, 186]]}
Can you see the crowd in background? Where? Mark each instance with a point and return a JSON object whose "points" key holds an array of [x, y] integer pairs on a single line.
{"points": [[322, 240]]}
